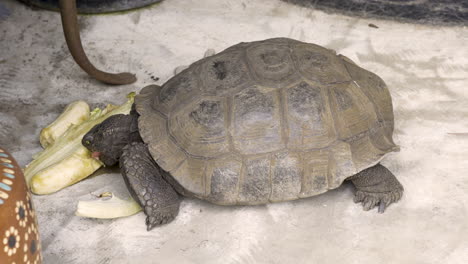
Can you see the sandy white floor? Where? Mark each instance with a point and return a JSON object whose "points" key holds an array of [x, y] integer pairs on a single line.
{"points": [[426, 69]]}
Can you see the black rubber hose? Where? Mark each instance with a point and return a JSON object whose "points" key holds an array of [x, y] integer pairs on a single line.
{"points": [[71, 31]]}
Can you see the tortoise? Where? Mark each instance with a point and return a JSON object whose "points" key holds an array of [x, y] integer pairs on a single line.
{"points": [[260, 122]]}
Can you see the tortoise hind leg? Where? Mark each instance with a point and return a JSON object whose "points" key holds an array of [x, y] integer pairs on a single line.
{"points": [[376, 186], [143, 177]]}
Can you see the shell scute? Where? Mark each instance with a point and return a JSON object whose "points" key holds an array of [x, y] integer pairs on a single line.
{"points": [[286, 176], [223, 176], [353, 112], [316, 171], [178, 90], [256, 125], [200, 128], [376, 90], [255, 186], [272, 65], [191, 175], [309, 118], [319, 64], [225, 73]]}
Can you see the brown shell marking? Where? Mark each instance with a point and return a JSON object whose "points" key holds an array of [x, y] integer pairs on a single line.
{"points": [[292, 121]]}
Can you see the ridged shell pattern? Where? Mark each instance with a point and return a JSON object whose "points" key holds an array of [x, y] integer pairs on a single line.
{"points": [[267, 121]]}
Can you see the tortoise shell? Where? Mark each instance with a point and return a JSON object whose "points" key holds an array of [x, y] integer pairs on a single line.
{"points": [[267, 121]]}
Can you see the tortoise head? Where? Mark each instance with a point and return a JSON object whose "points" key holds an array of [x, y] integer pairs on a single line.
{"points": [[107, 140]]}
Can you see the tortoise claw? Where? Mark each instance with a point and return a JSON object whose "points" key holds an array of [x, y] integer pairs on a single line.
{"points": [[370, 200], [382, 207], [377, 186]]}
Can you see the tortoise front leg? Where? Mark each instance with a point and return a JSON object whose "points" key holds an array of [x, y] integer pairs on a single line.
{"points": [[143, 177], [376, 186], [72, 35]]}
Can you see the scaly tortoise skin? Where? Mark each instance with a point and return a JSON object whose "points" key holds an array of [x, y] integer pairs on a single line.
{"points": [[19, 237], [260, 122], [267, 121]]}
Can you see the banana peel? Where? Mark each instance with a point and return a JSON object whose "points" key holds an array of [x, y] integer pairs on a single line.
{"points": [[65, 161], [107, 208], [74, 114]]}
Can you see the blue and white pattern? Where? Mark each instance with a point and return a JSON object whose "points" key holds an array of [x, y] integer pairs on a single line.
{"points": [[6, 176]]}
